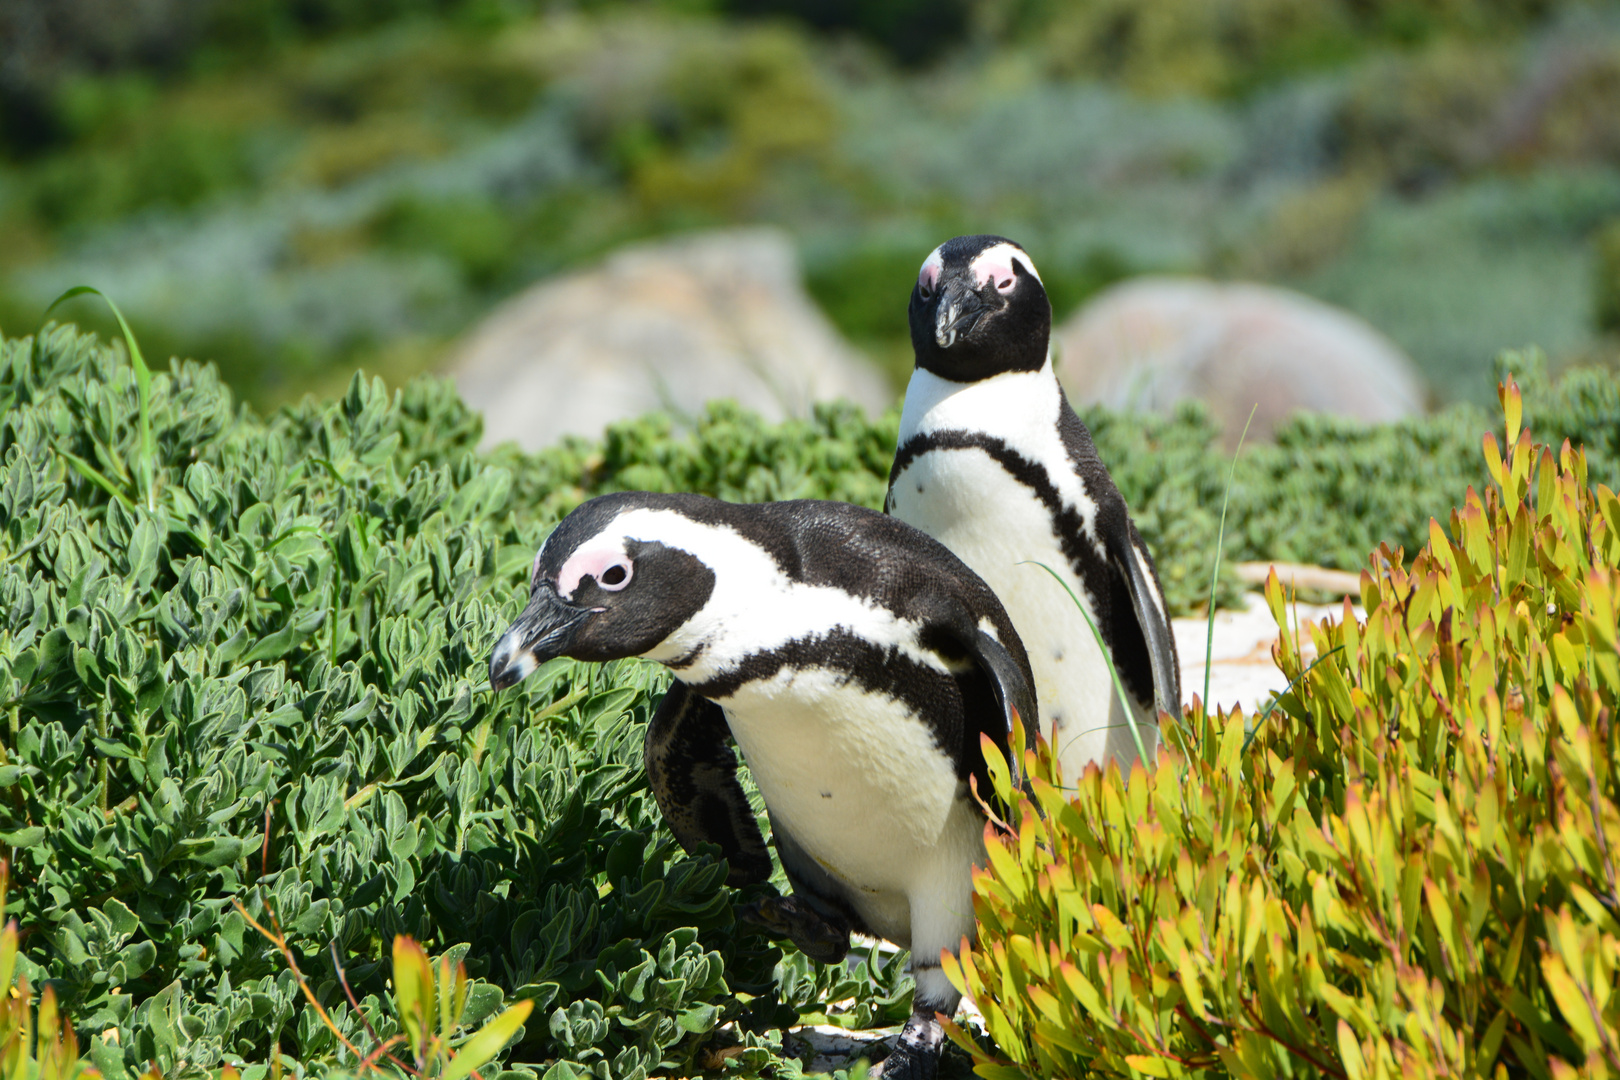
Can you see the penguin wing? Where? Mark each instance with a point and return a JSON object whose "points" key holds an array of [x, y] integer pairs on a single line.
{"points": [[1013, 692], [693, 775], [1130, 558], [1128, 554], [1009, 680]]}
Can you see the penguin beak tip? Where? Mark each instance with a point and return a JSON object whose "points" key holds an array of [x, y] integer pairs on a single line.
{"points": [[510, 666], [545, 630]]}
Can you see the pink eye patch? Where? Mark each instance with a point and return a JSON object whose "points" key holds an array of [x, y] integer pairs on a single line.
{"points": [[995, 268], [597, 560], [929, 275]]}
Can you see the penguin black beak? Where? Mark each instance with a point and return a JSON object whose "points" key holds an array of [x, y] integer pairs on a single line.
{"points": [[960, 307], [544, 631]]}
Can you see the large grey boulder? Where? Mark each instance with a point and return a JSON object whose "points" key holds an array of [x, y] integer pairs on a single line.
{"points": [[1148, 343], [662, 326]]}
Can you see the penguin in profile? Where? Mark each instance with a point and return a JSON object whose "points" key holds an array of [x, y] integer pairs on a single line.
{"points": [[993, 463], [855, 662]]}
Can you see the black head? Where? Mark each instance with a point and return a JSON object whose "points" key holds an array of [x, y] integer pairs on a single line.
{"points": [[979, 309], [596, 593]]}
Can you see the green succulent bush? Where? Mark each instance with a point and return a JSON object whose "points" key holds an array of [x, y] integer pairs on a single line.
{"points": [[34, 1045], [1405, 866], [245, 661]]}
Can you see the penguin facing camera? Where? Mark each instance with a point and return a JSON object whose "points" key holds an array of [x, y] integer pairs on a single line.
{"points": [[855, 662], [993, 462]]}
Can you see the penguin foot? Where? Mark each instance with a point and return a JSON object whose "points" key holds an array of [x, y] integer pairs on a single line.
{"points": [[916, 1055], [790, 917]]}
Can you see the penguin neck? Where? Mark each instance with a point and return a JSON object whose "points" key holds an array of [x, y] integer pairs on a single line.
{"points": [[1002, 404]]}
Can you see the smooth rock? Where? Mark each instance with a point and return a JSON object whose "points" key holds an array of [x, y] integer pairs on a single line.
{"points": [[1149, 343], [1241, 668], [662, 326]]}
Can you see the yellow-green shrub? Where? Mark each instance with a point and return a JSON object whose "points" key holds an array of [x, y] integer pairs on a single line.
{"points": [[1408, 868]]}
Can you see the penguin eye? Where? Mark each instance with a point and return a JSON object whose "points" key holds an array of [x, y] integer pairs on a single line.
{"points": [[1005, 286], [616, 576]]}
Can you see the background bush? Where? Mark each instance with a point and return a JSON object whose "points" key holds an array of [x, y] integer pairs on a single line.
{"points": [[1327, 492], [295, 188]]}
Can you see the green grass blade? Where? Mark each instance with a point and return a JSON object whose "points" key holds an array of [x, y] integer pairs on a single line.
{"points": [[146, 460], [90, 473], [1220, 540], [1119, 687]]}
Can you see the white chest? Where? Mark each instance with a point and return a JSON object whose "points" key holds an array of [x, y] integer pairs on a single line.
{"points": [[860, 785], [999, 527], [968, 502]]}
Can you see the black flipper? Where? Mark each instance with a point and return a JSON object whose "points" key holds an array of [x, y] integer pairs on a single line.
{"points": [[1130, 556], [1145, 665], [693, 775], [824, 940], [1013, 692], [952, 630]]}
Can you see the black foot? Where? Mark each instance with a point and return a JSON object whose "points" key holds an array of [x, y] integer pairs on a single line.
{"points": [[791, 918], [916, 1055]]}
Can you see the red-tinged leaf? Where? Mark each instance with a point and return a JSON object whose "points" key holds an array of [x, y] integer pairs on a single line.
{"points": [[413, 992], [1512, 407]]}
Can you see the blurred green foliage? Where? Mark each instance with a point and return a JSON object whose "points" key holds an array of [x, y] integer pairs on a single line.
{"points": [[299, 187], [1221, 46], [1606, 283], [913, 31]]}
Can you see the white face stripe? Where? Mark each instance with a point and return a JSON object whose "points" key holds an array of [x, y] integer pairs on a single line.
{"points": [[993, 265], [995, 262], [931, 268], [755, 607]]}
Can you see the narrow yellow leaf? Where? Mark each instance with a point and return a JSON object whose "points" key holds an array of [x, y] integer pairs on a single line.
{"points": [[482, 1047], [1355, 1066]]}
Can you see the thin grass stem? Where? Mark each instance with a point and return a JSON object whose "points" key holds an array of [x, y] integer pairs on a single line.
{"points": [[146, 460], [90, 473], [1220, 540], [1272, 704], [1119, 687]]}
